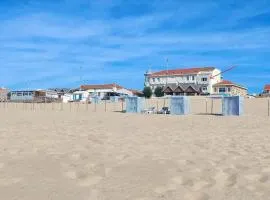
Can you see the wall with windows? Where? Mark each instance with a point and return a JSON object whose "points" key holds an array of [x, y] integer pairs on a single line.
{"points": [[230, 90], [21, 95], [202, 78], [238, 91]]}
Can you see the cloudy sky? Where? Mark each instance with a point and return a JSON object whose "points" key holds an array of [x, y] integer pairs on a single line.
{"points": [[62, 43]]}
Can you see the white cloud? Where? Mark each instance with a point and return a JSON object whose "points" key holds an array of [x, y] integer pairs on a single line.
{"points": [[53, 44]]}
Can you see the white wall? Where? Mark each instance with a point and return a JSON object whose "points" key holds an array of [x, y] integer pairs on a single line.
{"points": [[67, 97], [85, 95]]}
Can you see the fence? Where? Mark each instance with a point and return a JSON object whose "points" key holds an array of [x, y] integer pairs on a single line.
{"points": [[198, 106]]}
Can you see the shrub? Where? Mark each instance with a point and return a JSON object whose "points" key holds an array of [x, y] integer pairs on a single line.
{"points": [[147, 92], [159, 92]]}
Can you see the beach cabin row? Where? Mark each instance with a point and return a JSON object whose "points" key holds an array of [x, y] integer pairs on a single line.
{"points": [[180, 105]]}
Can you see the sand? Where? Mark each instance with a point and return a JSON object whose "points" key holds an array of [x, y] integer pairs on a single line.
{"points": [[81, 154]]}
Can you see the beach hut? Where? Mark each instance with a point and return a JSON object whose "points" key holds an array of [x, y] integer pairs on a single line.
{"points": [[134, 104], [179, 105], [114, 99], [232, 106]]}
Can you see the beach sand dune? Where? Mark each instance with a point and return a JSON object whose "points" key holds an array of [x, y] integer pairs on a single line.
{"points": [[61, 155]]}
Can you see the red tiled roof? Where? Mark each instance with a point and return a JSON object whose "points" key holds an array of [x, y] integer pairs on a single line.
{"points": [[135, 92], [226, 82], [104, 86], [267, 87], [182, 71]]}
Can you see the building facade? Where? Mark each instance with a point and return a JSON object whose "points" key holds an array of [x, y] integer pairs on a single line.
{"points": [[201, 79], [228, 88], [266, 89], [106, 90], [33, 95], [184, 90]]}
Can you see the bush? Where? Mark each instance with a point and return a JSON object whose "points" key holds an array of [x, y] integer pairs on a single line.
{"points": [[159, 92], [147, 92]]}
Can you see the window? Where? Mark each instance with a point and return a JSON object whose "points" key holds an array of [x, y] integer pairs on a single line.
{"points": [[229, 89], [221, 90], [204, 88], [154, 79], [215, 89], [158, 79], [19, 94], [25, 94], [204, 79], [193, 78], [188, 78]]}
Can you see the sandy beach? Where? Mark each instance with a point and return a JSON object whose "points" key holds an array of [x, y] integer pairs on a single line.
{"points": [[76, 153]]}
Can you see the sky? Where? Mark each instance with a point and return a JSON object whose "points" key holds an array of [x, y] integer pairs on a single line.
{"points": [[65, 43]]}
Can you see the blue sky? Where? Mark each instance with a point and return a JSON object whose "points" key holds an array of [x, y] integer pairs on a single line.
{"points": [[45, 43]]}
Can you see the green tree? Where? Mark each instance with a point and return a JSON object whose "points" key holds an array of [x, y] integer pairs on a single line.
{"points": [[147, 92], [159, 92]]}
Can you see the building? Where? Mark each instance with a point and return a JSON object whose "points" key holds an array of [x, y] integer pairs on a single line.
{"points": [[184, 89], [106, 90], [33, 96], [191, 80], [3, 94], [229, 88], [266, 89], [136, 92], [81, 96], [62, 91]]}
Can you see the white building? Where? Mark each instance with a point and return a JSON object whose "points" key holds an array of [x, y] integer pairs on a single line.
{"points": [[67, 98], [202, 79], [81, 96], [106, 90]]}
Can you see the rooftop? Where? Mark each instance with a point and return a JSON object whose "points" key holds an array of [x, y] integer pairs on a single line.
{"points": [[228, 83], [103, 86], [194, 70], [267, 87]]}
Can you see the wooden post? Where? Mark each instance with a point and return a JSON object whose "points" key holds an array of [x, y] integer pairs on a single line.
{"points": [[45, 104], [268, 107], [212, 106], [32, 106], [122, 105], [206, 106], [164, 102]]}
